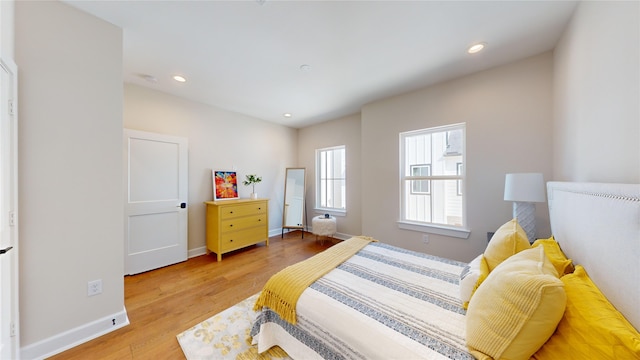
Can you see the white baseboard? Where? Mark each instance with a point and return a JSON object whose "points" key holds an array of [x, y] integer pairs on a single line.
{"points": [[197, 252], [203, 249], [342, 236], [275, 232], [74, 337]]}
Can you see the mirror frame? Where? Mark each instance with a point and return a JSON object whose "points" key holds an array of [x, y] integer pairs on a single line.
{"points": [[285, 203]]}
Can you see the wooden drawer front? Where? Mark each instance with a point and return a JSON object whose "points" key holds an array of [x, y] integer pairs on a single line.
{"points": [[243, 222], [242, 238], [231, 211]]}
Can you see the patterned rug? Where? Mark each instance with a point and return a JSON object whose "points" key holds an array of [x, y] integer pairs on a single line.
{"points": [[226, 336]]}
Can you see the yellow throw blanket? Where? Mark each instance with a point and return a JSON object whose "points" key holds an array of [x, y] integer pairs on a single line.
{"points": [[283, 289]]}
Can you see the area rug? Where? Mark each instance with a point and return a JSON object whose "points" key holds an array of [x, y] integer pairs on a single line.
{"points": [[226, 336]]}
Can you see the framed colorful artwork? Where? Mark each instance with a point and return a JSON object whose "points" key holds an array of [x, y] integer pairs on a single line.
{"points": [[225, 185]]}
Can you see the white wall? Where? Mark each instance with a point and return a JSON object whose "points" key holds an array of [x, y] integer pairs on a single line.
{"points": [[596, 86], [70, 174], [217, 139], [6, 29], [508, 113], [342, 131]]}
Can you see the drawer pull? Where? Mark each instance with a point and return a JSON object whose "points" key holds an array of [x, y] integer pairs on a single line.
{"points": [[230, 225], [230, 240]]}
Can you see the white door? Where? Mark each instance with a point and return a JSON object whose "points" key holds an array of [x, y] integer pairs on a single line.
{"points": [[155, 200], [9, 315]]}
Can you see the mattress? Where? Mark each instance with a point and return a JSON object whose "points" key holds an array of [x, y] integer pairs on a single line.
{"points": [[383, 303]]}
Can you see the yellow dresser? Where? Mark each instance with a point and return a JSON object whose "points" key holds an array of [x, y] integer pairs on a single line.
{"points": [[234, 224]]}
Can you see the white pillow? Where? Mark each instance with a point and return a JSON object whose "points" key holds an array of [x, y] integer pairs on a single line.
{"points": [[469, 278]]}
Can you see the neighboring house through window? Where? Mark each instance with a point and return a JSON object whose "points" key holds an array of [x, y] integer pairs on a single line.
{"points": [[432, 180], [331, 180], [420, 186]]}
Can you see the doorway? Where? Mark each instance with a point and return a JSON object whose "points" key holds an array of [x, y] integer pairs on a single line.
{"points": [[9, 326]]}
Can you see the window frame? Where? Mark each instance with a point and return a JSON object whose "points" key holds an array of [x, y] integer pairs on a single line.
{"points": [[319, 181], [406, 190]]}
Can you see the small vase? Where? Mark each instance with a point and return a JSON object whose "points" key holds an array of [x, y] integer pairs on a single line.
{"points": [[254, 196]]}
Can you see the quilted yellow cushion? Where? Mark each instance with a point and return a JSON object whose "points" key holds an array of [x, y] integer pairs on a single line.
{"points": [[471, 277], [591, 327], [516, 309], [509, 239], [554, 253]]}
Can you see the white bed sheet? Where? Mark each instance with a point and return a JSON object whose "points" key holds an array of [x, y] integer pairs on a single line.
{"points": [[385, 303]]}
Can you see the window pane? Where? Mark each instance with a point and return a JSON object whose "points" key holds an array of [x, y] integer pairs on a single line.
{"points": [[442, 206], [323, 165], [417, 151], [323, 193], [339, 194], [338, 163]]}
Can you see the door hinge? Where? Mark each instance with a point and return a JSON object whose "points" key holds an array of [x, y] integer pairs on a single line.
{"points": [[12, 329], [10, 107], [12, 218]]}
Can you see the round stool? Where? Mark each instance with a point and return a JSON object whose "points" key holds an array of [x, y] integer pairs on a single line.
{"points": [[321, 226]]}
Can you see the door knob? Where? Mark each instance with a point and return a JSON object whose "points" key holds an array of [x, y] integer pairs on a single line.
{"points": [[183, 205], [6, 250]]}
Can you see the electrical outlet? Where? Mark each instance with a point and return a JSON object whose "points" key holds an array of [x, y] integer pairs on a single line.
{"points": [[94, 287], [425, 239]]}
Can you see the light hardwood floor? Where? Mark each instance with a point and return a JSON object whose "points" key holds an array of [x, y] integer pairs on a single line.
{"points": [[164, 302]]}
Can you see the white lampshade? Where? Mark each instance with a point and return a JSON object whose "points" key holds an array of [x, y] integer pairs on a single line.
{"points": [[524, 187]]}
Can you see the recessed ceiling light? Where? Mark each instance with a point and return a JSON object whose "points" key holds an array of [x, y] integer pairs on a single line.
{"points": [[476, 48], [179, 78], [287, 115]]}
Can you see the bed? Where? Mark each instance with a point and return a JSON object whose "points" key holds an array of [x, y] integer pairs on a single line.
{"points": [[385, 302]]}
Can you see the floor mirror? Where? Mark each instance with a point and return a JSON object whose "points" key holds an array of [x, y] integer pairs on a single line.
{"points": [[293, 214]]}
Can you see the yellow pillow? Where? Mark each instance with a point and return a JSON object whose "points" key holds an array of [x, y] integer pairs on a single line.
{"points": [[516, 309], [591, 327], [554, 253], [471, 277], [509, 239]]}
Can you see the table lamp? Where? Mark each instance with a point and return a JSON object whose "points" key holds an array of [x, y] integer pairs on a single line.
{"points": [[525, 189]]}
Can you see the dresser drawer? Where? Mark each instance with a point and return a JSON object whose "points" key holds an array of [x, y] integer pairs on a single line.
{"points": [[231, 211], [242, 222], [239, 239]]}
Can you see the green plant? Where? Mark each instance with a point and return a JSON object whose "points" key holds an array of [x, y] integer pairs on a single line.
{"points": [[252, 180]]}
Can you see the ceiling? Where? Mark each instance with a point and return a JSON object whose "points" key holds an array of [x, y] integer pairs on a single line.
{"points": [[249, 56]]}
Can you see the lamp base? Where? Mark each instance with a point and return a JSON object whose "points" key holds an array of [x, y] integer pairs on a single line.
{"points": [[525, 213]]}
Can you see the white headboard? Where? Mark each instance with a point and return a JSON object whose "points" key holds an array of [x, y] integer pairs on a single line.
{"points": [[598, 226]]}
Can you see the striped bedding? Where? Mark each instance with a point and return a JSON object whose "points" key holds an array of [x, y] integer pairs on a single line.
{"points": [[383, 303]]}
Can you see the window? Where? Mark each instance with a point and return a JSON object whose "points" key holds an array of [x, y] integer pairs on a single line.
{"points": [[331, 180], [432, 177]]}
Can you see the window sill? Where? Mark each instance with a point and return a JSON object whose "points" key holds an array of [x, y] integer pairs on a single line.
{"points": [[435, 229], [332, 212]]}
